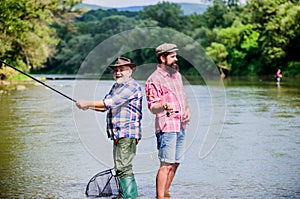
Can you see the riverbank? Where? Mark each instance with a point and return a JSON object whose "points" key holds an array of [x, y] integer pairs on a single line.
{"points": [[9, 85]]}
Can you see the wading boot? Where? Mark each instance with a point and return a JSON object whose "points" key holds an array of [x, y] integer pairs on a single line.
{"points": [[128, 187]]}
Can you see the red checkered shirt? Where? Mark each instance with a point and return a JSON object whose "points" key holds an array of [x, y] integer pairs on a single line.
{"points": [[161, 87]]}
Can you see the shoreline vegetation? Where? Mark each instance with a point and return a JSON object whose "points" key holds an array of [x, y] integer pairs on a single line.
{"points": [[8, 86], [22, 83]]}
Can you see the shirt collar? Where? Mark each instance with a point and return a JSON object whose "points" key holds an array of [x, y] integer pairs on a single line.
{"points": [[162, 71]]}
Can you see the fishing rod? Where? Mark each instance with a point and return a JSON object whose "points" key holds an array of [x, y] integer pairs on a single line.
{"points": [[38, 81]]}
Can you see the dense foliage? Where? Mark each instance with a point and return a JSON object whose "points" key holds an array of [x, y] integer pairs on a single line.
{"points": [[252, 39], [27, 37]]}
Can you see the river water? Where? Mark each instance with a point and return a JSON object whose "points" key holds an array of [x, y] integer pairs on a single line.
{"points": [[50, 149]]}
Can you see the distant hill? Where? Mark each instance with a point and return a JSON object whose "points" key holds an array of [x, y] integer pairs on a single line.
{"points": [[188, 8], [131, 8], [89, 6]]}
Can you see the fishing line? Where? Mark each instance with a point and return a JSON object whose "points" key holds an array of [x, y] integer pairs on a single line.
{"points": [[38, 81]]}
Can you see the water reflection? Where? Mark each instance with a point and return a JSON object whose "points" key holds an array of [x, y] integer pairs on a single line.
{"points": [[257, 155]]}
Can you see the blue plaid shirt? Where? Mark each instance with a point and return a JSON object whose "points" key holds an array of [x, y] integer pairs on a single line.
{"points": [[124, 110]]}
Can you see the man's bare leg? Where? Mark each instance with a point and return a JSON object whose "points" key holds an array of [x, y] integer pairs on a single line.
{"points": [[162, 179], [170, 178]]}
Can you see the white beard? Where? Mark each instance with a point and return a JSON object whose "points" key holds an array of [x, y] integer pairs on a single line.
{"points": [[125, 77], [122, 80]]}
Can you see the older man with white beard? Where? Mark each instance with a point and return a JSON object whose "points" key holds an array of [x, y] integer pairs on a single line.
{"points": [[123, 104]]}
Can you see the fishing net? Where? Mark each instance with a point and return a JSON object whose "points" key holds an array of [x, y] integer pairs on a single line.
{"points": [[103, 184]]}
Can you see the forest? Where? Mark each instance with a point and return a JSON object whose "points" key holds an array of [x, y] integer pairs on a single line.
{"points": [[254, 39]]}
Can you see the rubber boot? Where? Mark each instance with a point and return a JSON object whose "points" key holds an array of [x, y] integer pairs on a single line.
{"points": [[128, 187]]}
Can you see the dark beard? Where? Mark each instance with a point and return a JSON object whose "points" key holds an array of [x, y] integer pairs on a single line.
{"points": [[172, 69]]}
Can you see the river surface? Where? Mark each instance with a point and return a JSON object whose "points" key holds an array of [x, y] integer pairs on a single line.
{"points": [[243, 142]]}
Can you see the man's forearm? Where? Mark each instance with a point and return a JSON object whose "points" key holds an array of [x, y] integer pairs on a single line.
{"points": [[94, 105]]}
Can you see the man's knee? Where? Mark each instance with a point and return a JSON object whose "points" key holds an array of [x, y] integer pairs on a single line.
{"points": [[124, 171], [174, 167], [165, 167]]}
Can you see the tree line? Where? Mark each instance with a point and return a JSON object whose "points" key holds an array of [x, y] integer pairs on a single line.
{"points": [[252, 39]]}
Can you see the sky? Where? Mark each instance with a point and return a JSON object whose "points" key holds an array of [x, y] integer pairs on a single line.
{"points": [[127, 3]]}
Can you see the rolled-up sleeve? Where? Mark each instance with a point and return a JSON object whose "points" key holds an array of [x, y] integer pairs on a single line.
{"points": [[107, 102], [152, 94], [120, 96]]}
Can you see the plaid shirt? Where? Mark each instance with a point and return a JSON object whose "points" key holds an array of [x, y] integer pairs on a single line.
{"points": [[124, 105], [161, 87]]}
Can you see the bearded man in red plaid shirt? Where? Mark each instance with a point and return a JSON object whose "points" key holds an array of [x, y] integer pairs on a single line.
{"points": [[167, 100], [123, 104]]}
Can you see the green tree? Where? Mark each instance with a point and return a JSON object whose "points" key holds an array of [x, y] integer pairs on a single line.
{"points": [[252, 39], [72, 50], [213, 17], [278, 24], [218, 53], [241, 41], [27, 37], [166, 14]]}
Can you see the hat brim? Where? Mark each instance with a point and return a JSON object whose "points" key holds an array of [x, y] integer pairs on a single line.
{"points": [[131, 65]]}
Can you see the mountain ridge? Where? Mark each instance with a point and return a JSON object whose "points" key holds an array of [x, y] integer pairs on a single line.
{"points": [[188, 8]]}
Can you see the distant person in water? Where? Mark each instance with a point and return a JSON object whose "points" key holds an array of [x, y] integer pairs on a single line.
{"points": [[278, 76]]}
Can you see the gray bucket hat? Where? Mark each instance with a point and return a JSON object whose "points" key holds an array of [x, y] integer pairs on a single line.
{"points": [[165, 48]]}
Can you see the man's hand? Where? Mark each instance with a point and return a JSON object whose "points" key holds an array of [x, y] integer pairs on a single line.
{"points": [[166, 107], [93, 105], [160, 107], [83, 104], [187, 116]]}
